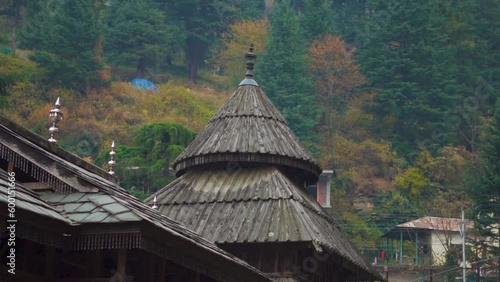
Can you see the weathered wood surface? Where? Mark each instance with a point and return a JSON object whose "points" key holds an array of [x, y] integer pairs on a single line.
{"points": [[253, 205], [247, 123]]}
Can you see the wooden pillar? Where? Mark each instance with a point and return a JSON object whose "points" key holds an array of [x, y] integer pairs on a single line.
{"points": [[94, 264], [49, 264], [10, 167], [162, 270], [121, 265], [478, 273], [431, 275], [28, 250], [195, 276], [401, 248], [277, 260], [416, 247]]}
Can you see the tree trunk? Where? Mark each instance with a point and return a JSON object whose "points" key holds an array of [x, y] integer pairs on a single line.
{"points": [[14, 41], [141, 68], [17, 20], [193, 55]]}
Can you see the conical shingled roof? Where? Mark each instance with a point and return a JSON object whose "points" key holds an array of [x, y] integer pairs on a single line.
{"points": [[254, 205], [248, 129], [260, 201]]}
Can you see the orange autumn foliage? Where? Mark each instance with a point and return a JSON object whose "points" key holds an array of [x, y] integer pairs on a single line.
{"points": [[335, 71]]}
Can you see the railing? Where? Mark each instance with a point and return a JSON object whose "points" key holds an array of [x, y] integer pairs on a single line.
{"points": [[379, 256]]}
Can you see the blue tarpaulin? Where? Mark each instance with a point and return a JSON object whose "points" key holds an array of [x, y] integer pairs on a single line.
{"points": [[144, 84]]}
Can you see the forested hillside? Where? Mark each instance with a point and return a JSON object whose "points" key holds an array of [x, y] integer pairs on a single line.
{"points": [[397, 97]]}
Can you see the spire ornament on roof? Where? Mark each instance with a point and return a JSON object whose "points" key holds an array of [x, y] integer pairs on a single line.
{"points": [[250, 57], [55, 115], [112, 162], [154, 203]]}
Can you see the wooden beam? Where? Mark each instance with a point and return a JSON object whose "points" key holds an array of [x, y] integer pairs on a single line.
{"points": [[10, 167], [37, 186], [121, 265]]}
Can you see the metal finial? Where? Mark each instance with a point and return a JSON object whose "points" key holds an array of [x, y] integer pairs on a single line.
{"points": [[112, 162], [154, 203], [249, 56], [55, 115]]}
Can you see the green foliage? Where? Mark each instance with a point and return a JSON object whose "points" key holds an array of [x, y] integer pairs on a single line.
{"points": [[13, 71], [413, 182], [404, 58], [65, 45], [317, 19], [144, 168], [205, 21], [359, 231], [281, 72], [483, 183], [141, 35], [356, 226]]}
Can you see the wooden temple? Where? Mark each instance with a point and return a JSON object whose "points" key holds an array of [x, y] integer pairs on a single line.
{"points": [[242, 185], [63, 219]]}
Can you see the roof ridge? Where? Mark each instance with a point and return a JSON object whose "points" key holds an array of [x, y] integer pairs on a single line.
{"points": [[248, 115]]}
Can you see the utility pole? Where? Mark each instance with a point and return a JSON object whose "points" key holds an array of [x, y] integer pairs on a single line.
{"points": [[464, 265]]}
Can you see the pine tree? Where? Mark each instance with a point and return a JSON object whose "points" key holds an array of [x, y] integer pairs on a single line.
{"points": [[13, 9], [483, 184], [281, 72], [317, 19], [64, 37], [405, 59], [138, 35], [349, 18], [205, 21]]}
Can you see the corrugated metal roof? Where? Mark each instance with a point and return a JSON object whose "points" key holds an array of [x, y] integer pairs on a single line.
{"points": [[252, 205], [28, 200], [435, 223], [247, 123], [91, 207]]}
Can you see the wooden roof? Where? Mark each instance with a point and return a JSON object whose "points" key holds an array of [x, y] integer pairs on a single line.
{"points": [[92, 198], [240, 181], [253, 205], [248, 128]]}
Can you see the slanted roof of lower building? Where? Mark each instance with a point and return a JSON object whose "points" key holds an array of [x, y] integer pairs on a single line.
{"points": [[89, 196]]}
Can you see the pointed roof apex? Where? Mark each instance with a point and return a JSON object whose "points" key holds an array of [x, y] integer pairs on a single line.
{"points": [[249, 56]]}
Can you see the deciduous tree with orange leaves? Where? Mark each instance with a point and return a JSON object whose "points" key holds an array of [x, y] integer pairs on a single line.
{"points": [[335, 72]]}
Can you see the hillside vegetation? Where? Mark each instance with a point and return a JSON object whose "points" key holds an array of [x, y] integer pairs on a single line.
{"points": [[399, 98]]}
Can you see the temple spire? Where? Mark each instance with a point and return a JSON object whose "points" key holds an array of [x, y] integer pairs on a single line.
{"points": [[250, 57], [112, 162], [55, 115], [154, 204]]}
